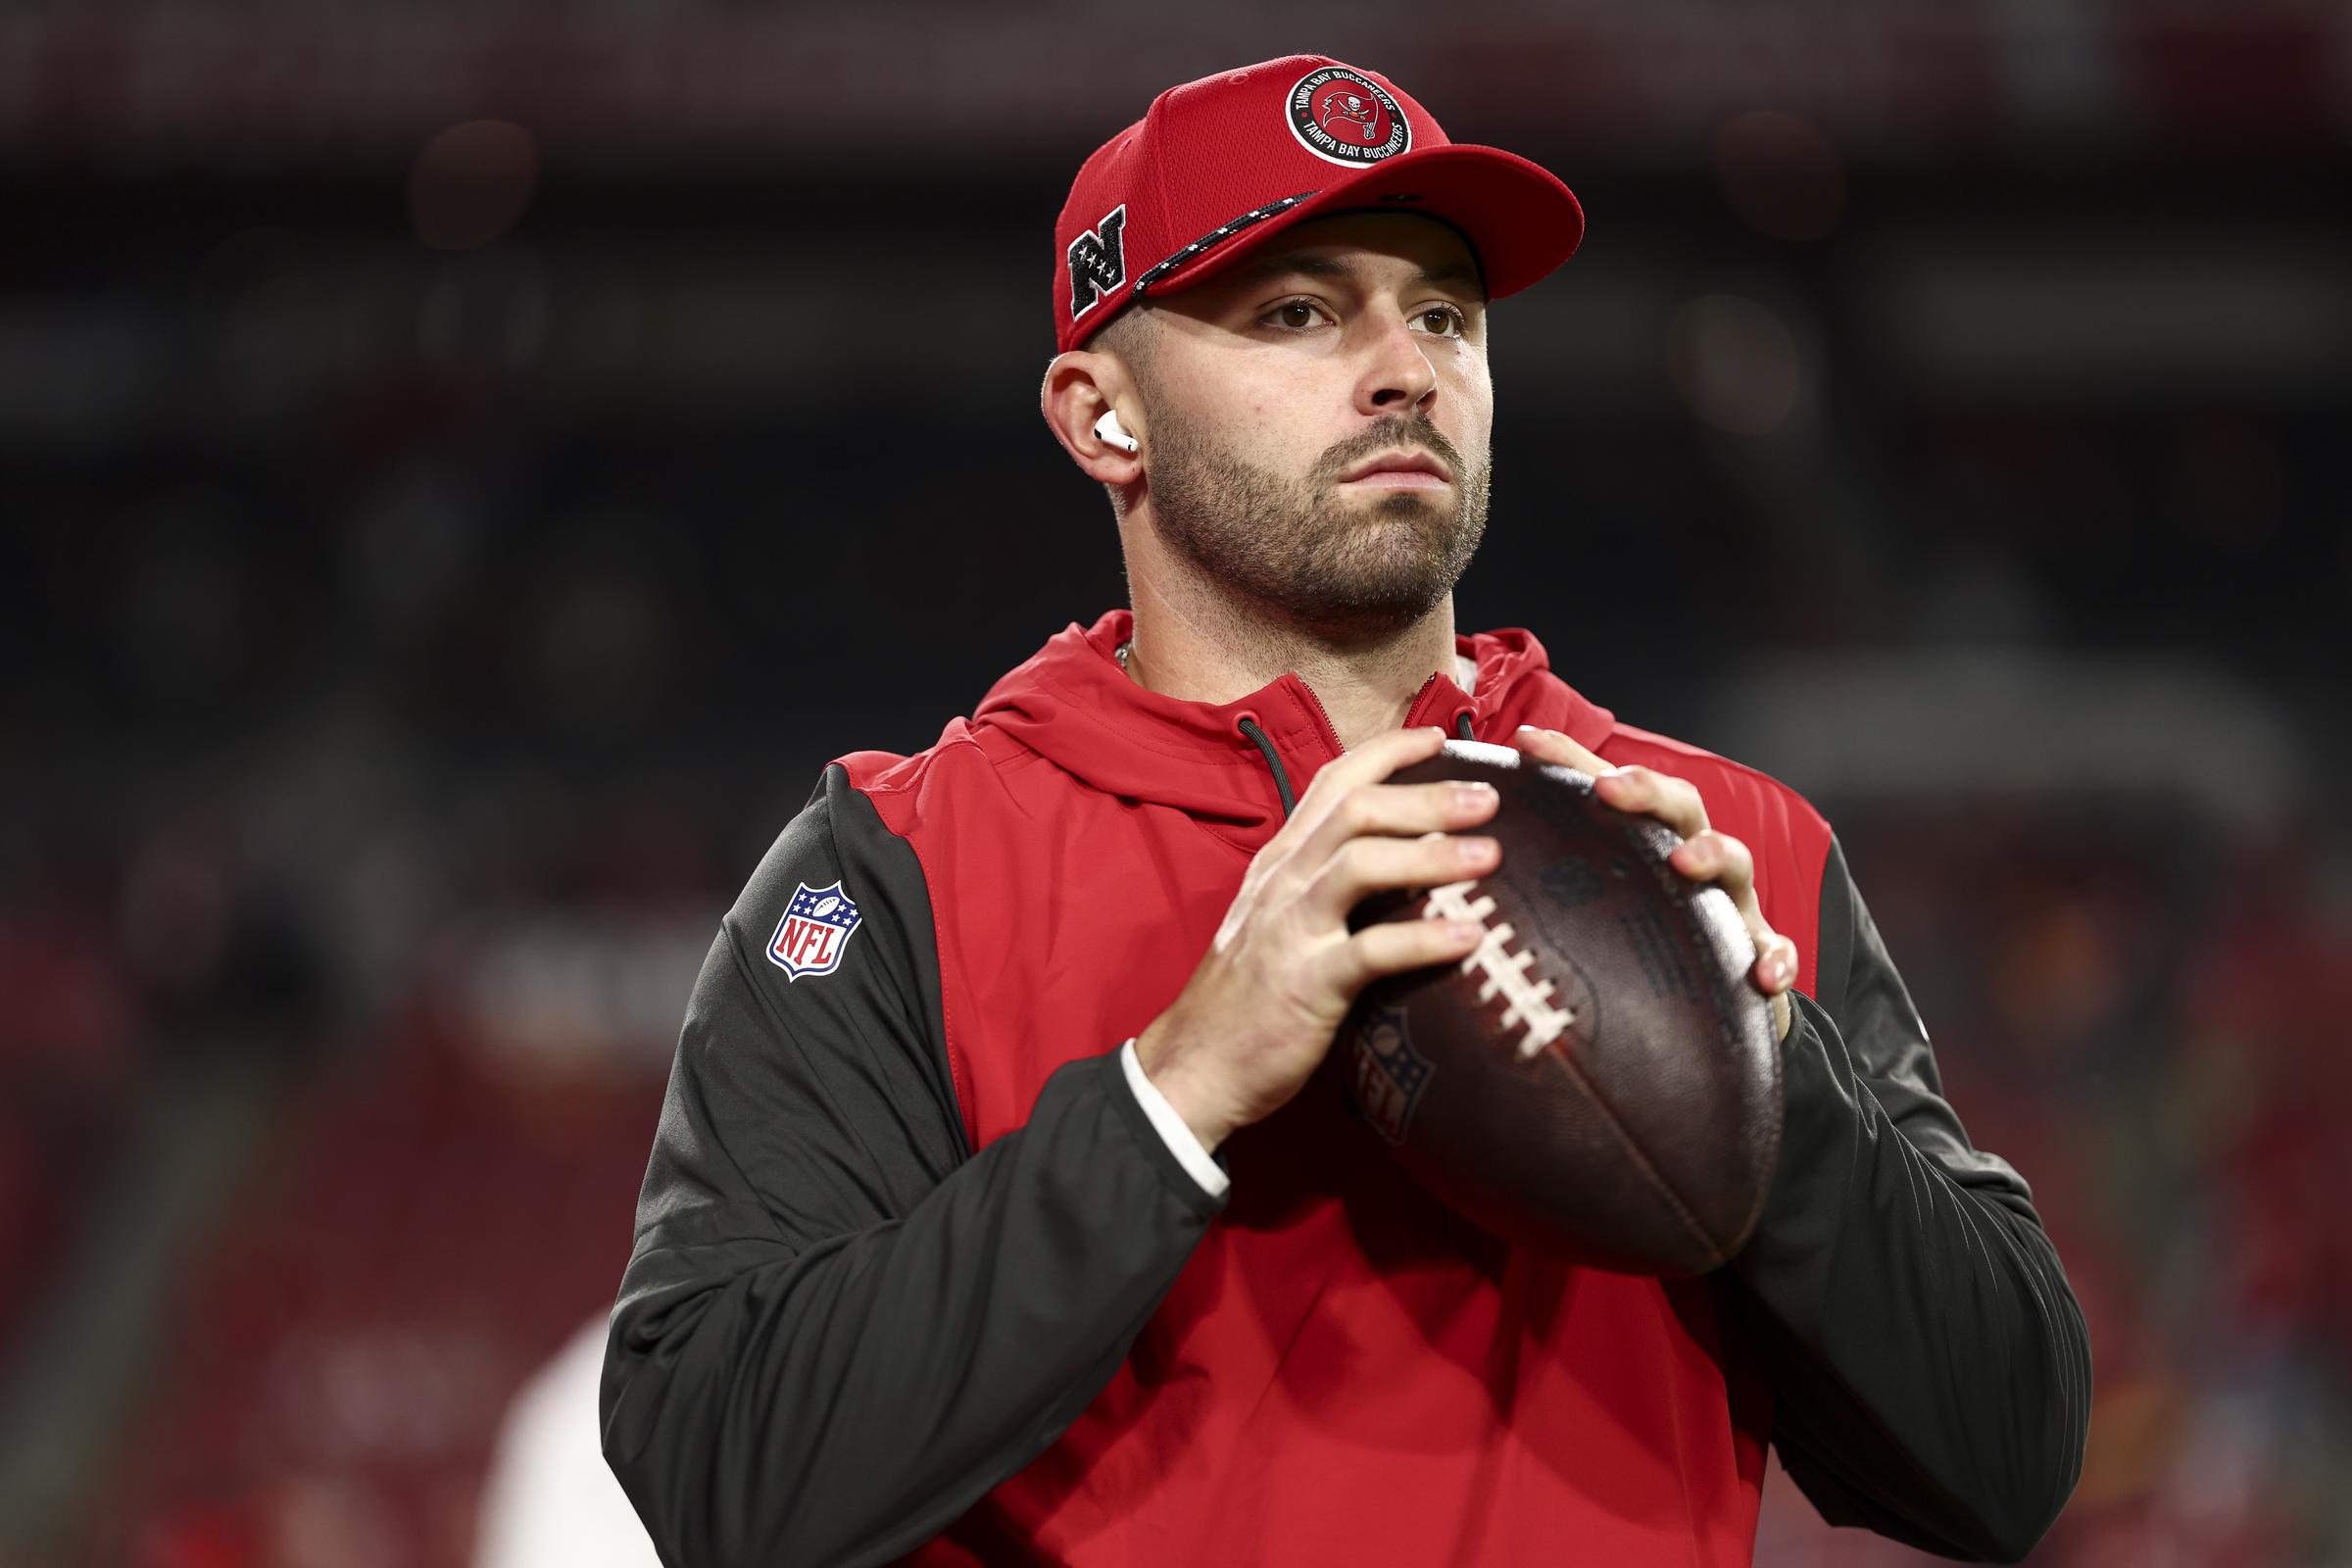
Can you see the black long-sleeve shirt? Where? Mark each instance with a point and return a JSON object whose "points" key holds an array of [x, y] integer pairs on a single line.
{"points": [[842, 1326]]}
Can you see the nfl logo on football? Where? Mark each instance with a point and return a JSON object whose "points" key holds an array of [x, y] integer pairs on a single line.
{"points": [[817, 925], [1390, 1074]]}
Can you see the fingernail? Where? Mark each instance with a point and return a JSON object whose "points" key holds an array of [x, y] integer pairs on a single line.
{"points": [[1471, 794], [1474, 852], [1464, 930]]}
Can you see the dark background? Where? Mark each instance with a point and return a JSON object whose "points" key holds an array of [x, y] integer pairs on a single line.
{"points": [[466, 469]]}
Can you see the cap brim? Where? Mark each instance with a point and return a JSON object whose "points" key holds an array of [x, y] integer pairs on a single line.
{"points": [[1518, 216]]}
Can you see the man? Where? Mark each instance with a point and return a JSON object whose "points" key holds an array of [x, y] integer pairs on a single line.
{"points": [[997, 1213]]}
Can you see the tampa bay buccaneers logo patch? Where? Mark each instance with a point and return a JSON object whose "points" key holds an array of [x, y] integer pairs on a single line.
{"points": [[1346, 118], [817, 925]]}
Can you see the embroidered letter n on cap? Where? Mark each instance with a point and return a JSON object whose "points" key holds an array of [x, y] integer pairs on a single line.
{"points": [[1097, 261]]}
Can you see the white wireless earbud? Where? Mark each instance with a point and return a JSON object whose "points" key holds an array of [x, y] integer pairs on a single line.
{"points": [[1110, 430]]}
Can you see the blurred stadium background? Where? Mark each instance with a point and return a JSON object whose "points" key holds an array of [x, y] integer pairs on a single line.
{"points": [[467, 468]]}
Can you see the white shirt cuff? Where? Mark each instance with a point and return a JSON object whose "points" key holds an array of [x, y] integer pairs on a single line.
{"points": [[1172, 1130]]}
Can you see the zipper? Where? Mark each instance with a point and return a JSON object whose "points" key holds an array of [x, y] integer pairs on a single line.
{"points": [[1421, 695], [1333, 731], [1329, 728]]}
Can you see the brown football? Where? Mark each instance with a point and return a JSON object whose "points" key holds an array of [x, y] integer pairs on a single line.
{"points": [[1599, 1081]]}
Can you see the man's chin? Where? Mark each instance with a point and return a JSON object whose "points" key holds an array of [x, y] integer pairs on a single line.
{"points": [[1374, 593], [1369, 617], [1408, 526]]}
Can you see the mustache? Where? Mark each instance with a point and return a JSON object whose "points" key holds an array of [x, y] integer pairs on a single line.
{"points": [[1388, 433]]}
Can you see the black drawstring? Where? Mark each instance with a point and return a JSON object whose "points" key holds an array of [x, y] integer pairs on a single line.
{"points": [[1282, 780]]}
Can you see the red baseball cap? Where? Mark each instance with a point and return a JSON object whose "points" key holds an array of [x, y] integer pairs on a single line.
{"points": [[1220, 166]]}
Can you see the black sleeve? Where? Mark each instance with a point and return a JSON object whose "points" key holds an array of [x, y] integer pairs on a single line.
{"points": [[839, 1327], [1930, 1369]]}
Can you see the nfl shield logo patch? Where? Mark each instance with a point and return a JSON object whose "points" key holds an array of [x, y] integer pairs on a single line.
{"points": [[817, 925], [1389, 1073]]}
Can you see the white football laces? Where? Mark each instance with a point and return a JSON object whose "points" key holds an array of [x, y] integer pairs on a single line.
{"points": [[1503, 973]]}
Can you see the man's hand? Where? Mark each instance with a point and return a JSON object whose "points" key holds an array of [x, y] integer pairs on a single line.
{"points": [[1260, 1013], [1705, 854]]}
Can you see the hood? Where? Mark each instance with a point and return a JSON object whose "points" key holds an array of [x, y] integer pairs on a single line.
{"points": [[1072, 704]]}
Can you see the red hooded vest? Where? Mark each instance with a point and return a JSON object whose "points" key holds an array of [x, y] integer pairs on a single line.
{"points": [[1344, 1372]]}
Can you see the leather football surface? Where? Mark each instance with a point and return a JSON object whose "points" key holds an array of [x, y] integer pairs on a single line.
{"points": [[1599, 1080]]}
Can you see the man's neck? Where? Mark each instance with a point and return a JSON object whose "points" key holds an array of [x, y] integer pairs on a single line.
{"points": [[1199, 643]]}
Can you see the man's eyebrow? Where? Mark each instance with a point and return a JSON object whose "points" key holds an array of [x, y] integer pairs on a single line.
{"points": [[1266, 268], [1460, 273]]}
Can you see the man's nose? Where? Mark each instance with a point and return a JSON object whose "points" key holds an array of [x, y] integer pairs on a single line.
{"points": [[1397, 375]]}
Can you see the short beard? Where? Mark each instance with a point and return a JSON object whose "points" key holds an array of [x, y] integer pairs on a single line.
{"points": [[1342, 569]]}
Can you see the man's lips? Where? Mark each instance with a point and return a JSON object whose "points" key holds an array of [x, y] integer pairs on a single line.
{"points": [[1398, 470]]}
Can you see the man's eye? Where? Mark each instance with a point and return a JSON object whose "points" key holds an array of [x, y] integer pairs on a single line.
{"points": [[1293, 314], [1443, 319]]}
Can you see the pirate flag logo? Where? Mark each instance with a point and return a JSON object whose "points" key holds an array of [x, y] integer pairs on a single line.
{"points": [[1345, 117]]}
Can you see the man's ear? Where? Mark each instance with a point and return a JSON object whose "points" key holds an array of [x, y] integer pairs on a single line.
{"points": [[1080, 387]]}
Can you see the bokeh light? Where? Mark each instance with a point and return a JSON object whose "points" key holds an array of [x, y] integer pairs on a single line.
{"points": [[472, 184], [1736, 365], [1781, 174]]}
